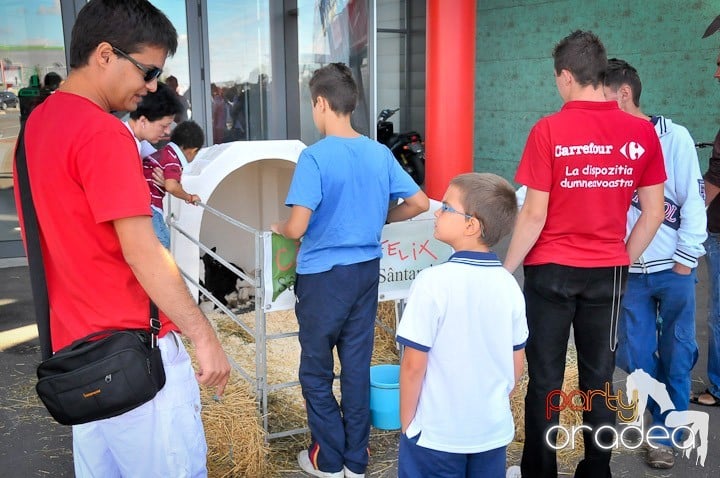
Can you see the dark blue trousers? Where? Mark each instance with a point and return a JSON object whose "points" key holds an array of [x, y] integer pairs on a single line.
{"points": [[415, 461], [337, 309]]}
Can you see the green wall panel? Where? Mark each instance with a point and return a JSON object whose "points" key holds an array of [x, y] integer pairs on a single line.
{"points": [[515, 82]]}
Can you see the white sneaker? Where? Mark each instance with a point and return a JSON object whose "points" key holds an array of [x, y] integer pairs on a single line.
{"points": [[352, 474], [513, 472], [307, 466]]}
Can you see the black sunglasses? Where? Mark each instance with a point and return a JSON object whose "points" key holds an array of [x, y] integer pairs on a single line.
{"points": [[150, 74]]}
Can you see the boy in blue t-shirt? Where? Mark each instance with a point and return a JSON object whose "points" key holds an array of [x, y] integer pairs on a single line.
{"points": [[340, 195], [464, 332]]}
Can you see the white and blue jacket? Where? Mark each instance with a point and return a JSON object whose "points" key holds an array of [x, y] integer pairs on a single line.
{"points": [[684, 229]]}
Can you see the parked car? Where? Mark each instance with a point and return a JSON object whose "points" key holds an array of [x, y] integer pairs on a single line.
{"points": [[8, 99]]}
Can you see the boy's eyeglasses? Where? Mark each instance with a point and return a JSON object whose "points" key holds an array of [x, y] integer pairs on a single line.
{"points": [[445, 207], [149, 73]]}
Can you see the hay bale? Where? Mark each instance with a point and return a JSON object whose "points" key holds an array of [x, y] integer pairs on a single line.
{"points": [[234, 433], [233, 429], [385, 350], [237, 418], [567, 457]]}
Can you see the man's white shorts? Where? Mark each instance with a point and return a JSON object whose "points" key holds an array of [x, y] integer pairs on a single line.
{"points": [[162, 438]]}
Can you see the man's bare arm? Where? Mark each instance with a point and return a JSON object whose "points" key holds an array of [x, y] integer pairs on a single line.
{"points": [[159, 276], [652, 213], [529, 224]]}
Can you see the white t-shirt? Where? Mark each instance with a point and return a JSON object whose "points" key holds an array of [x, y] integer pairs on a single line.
{"points": [[145, 149], [468, 314]]}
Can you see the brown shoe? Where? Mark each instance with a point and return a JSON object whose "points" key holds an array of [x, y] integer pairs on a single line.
{"points": [[662, 457]]}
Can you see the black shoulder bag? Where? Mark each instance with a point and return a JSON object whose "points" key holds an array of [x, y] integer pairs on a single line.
{"points": [[102, 375]]}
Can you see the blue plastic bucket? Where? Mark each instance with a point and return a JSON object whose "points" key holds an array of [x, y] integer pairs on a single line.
{"points": [[385, 396]]}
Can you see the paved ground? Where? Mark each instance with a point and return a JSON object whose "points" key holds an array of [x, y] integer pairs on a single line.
{"points": [[32, 445]]}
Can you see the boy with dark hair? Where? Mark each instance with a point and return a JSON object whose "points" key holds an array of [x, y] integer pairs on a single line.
{"points": [[588, 156], [583, 54], [656, 330], [185, 141], [339, 196], [51, 81], [469, 310], [103, 262]]}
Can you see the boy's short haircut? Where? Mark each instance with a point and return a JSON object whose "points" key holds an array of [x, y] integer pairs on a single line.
{"points": [[188, 134], [127, 25], [158, 104], [491, 199], [583, 55], [52, 81], [335, 83], [620, 72]]}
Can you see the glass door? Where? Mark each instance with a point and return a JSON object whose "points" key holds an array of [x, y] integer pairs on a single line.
{"points": [[32, 50], [333, 31], [240, 69], [176, 72]]}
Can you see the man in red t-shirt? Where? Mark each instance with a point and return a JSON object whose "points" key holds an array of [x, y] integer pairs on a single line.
{"points": [[102, 260], [581, 167]]}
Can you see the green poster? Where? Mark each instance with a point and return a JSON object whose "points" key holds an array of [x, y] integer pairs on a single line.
{"points": [[284, 256]]}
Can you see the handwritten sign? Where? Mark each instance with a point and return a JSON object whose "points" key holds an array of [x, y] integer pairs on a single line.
{"points": [[408, 247]]}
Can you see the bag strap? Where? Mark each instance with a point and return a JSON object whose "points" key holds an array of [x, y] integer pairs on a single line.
{"points": [[154, 324], [38, 280], [34, 251]]}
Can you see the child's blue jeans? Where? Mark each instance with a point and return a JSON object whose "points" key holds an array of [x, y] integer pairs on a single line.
{"points": [[161, 230], [337, 309]]}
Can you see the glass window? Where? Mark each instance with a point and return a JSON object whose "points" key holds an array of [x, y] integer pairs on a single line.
{"points": [[177, 66], [32, 46], [391, 14], [392, 47], [240, 69], [391, 75], [333, 31]]}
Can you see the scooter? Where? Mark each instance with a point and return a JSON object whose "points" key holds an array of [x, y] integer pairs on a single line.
{"points": [[408, 148]]}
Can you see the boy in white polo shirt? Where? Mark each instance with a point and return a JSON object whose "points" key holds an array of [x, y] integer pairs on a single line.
{"points": [[464, 332]]}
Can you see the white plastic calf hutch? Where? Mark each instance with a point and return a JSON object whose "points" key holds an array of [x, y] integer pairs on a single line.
{"points": [[247, 181], [242, 186]]}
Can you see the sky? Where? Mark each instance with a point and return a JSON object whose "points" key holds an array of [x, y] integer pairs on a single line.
{"points": [[31, 22], [238, 31]]}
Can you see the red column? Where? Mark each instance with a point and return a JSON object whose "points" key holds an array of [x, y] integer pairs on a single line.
{"points": [[450, 92]]}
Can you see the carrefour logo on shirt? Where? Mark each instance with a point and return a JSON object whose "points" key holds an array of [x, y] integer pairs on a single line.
{"points": [[578, 149], [631, 150]]}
